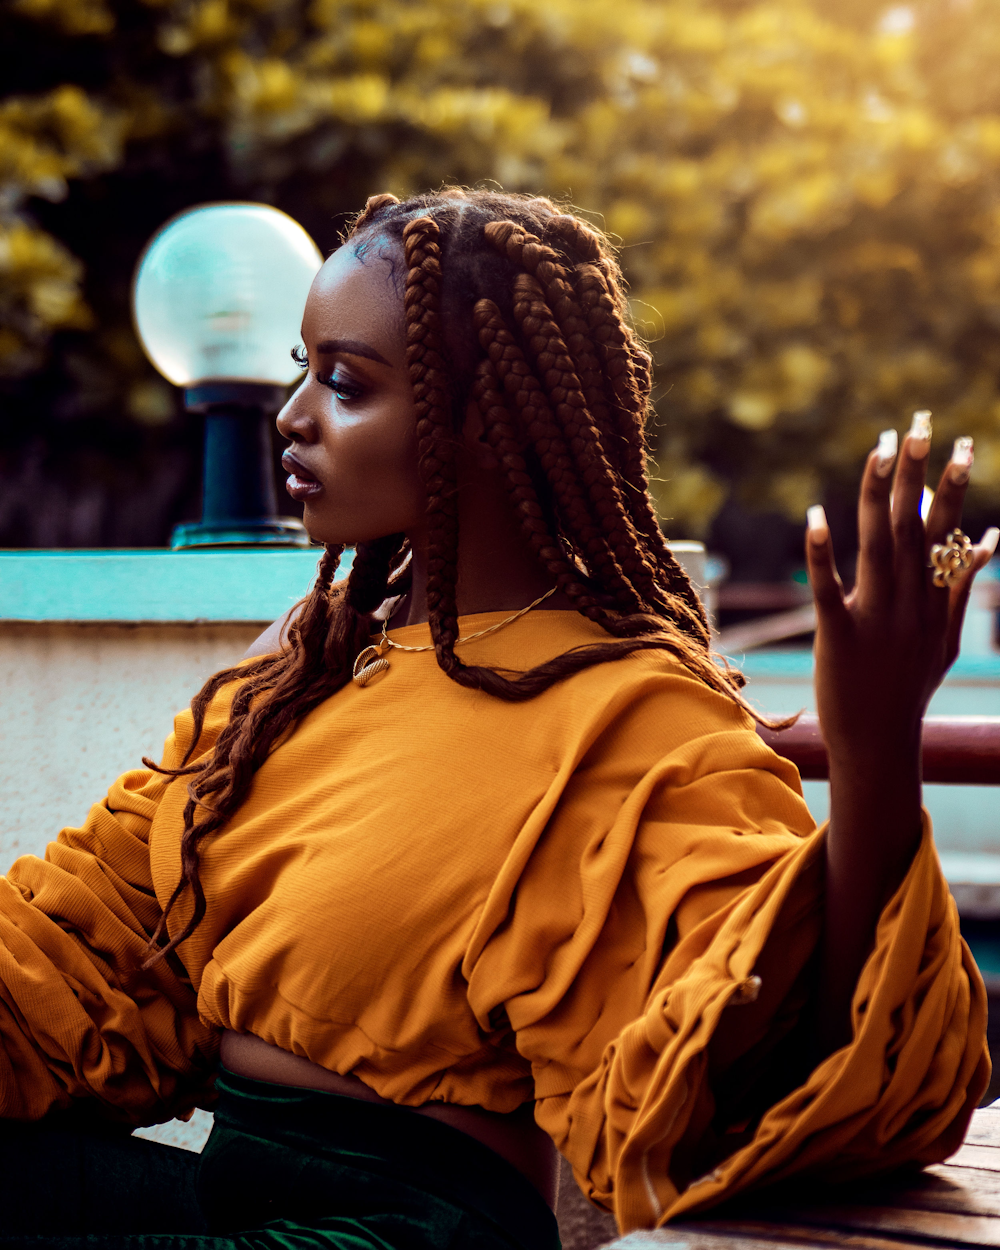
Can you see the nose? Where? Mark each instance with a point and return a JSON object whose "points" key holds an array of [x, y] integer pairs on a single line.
{"points": [[294, 421]]}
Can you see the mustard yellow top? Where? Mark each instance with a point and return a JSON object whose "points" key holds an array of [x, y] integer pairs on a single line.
{"points": [[570, 899]]}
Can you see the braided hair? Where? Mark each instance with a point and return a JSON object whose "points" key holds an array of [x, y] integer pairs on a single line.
{"points": [[517, 307]]}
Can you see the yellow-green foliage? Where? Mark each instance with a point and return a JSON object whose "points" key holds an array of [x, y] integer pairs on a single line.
{"points": [[805, 190], [44, 141]]}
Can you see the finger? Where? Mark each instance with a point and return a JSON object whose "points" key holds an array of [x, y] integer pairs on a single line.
{"points": [[945, 517], [907, 524], [958, 599], [827, 588], [946, 510], [873, 583]]}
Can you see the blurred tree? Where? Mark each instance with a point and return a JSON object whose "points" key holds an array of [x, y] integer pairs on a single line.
{"points": [[806, 192]]}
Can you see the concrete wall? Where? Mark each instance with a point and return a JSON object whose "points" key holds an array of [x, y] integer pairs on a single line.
{"points": [[82, 703], [99, 650]]}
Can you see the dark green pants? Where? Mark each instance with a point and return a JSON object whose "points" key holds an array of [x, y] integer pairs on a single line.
{"points": [[284, 1169]]}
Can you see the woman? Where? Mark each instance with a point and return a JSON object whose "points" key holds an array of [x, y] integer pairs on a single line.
{"points": [[485, 831]]}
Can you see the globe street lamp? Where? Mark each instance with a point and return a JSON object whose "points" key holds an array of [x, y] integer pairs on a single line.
{"points": [[218, 300]]}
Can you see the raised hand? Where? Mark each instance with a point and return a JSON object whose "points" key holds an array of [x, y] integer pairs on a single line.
{"points": [[881, 652]]}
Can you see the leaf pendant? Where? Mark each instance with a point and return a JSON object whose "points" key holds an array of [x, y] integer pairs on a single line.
{"points": [[370, 664]]}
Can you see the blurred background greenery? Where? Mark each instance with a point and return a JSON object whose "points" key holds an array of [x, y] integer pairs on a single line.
{"points": [[806, 193]]}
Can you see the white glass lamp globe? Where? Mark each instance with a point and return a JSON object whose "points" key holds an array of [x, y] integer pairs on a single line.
{"points": [[219, 294]]}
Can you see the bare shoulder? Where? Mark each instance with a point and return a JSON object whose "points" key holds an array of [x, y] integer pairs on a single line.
{"points": [[275, 637]]}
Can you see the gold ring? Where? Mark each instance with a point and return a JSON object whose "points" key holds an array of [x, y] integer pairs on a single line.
{"points": [[951, 559]]}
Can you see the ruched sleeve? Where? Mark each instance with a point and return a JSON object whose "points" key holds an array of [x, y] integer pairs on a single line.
{"points": [[657, 966], [79, 1018]]}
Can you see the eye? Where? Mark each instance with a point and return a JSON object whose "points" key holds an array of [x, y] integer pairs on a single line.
{"points": [[341, 387], [298, 354]]}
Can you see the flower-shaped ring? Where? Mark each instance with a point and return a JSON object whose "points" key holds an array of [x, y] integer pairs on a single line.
{"points": [[951, 559]]}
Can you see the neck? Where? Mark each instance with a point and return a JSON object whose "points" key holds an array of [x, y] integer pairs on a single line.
{"points": [[497, 571]]}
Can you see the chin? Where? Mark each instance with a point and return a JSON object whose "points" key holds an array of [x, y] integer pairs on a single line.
{"points": [[324, 529], [324, 540], [334, 536], [332, 531]]}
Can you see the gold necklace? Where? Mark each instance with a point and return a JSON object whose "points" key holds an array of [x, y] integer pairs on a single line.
{"points": [[372, 661]]}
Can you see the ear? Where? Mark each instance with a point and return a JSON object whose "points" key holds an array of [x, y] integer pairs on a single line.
{"points": [[474, 438]]}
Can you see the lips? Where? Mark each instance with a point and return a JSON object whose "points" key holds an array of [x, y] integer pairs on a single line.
{"points": [[301, 484]]}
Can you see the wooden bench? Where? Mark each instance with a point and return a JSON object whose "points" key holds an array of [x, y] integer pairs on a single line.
{"points": [[950, 1204], [956, 1203]]}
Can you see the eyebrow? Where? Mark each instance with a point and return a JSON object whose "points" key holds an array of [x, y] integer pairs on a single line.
{"points": [[350, 347]]}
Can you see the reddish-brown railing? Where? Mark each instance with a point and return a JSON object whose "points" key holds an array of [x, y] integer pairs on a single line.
{"points": [[961, 750]]}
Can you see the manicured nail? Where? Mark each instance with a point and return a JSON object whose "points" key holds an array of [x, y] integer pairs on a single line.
{"points": [[989, 540], [888, 445], [920, 433], [816, 523], [962, 456]]}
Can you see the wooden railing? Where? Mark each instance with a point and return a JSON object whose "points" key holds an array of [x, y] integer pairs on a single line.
{"points": [[959, 750]]}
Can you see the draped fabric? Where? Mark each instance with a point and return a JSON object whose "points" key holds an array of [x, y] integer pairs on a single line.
{"points": [[646, 1130], [79, 1018], [608, 899]]}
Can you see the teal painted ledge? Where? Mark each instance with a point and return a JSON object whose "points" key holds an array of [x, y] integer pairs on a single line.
{"points": [[154, 586]]}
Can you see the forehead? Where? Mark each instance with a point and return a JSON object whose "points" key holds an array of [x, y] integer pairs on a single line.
{"points": [[357, 295]]}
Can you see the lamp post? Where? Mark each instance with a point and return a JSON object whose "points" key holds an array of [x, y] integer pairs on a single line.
{"points": [[217, 301]]}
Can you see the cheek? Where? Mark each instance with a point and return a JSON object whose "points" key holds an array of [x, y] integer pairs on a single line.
{"points": [[387, 452], [381, 458], [373, 483]]}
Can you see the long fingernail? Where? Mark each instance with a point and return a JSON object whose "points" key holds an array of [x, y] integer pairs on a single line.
{"points": [[960, 465], [989, 540], [888, 445], [920, 433], [816, 523]]}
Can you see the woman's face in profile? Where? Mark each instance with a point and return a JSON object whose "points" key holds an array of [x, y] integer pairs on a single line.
{"points": [[353, 454]]}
